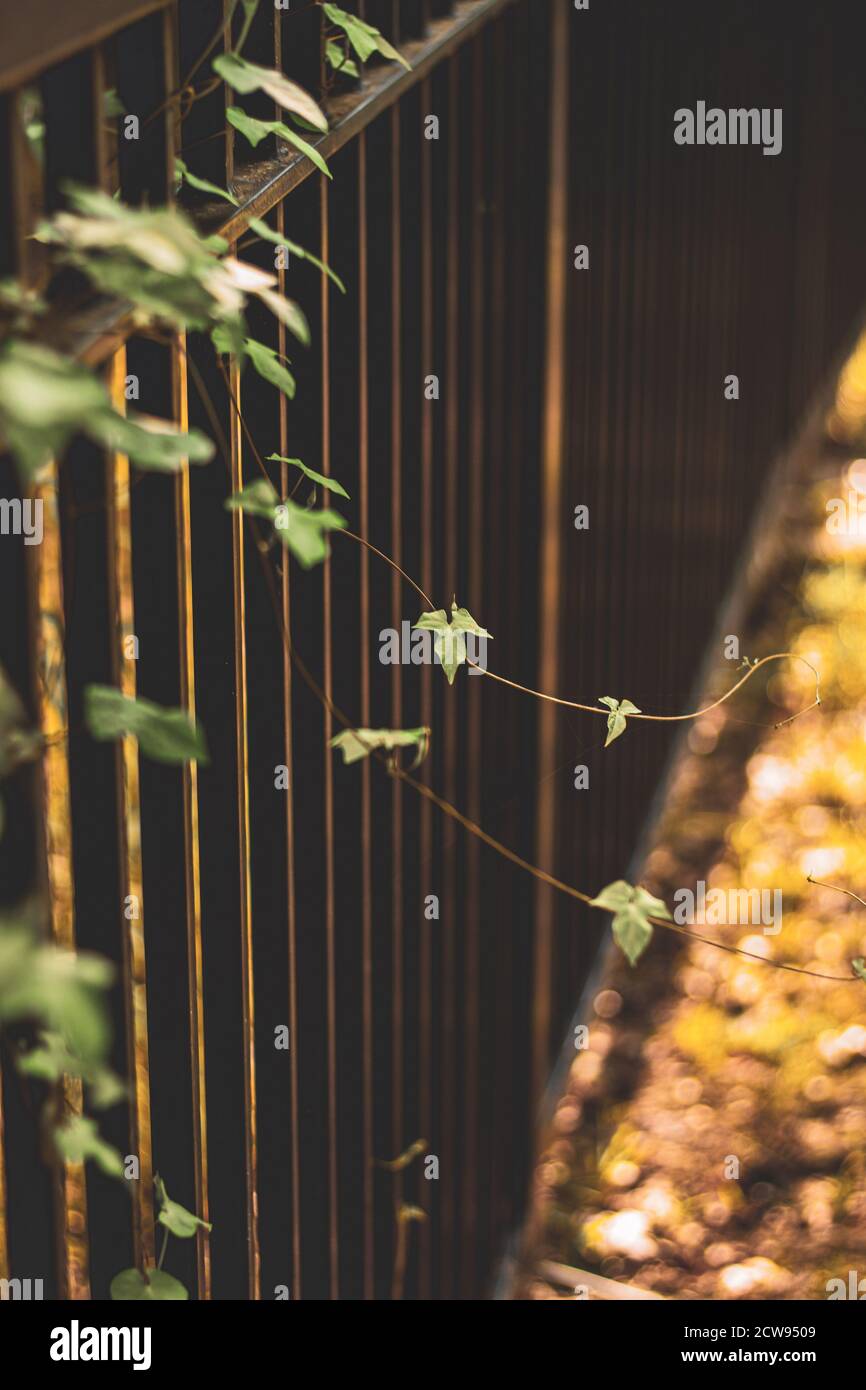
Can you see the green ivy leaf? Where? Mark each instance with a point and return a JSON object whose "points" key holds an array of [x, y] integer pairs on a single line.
{"points": [[112, 106], [363, 37], [449, 638], [303, 531], [338, 60], [259, 498], [79, 1140], [255, 131], [288, 313], [60, 989], [155, 259], [176, 1218], [632, 907], [130, 1286], [261, 228], [330, 483], [52, 1059], [151, 443], [268, 365], [166, 735], [247, 77], [184, 174], [356, 744], [858, 965], [616, 720], [45, 399]]}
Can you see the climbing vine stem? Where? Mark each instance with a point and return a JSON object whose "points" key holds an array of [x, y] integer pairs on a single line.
{"points": [[391, 765]]}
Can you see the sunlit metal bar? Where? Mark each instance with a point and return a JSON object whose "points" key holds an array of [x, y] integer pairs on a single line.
{"points": [[123, 659], [425, 1022], [328, 677], [131, 909], [186, 635], [449, 730], [472, 927], [366, 789], [397, 1001], [48, 623], [246, 910], [551, 532], [500, 1080], [291, 901]]}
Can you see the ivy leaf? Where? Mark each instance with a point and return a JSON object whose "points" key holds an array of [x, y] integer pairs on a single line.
{"points": [[79, 1140], [363, 37], [356, 744], [449, 638], [247, 77], [176, 1218], [112, 106], [255, 131], [259, 498], [44, 400], [166, 735], [184, 174], [858, 965], [301, 530], [268, 365], [616, 720], [632, 907], [261, 228], [339, 60], [52, 1058], [288, 312], [130, 1286], [330, 483], [151, 443], [60, 989], [305, 532]]}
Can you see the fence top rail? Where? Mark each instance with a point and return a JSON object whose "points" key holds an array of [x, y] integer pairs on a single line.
{"points": [[39, 33], [95, 330]]}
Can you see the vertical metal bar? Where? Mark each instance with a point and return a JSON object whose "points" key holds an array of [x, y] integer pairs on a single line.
{"points": [[291, 905], [242, 750], [192, 860], [499, 1082], [47, 590], [291, 900], [49, 625], [366, 789], [551, 534], [449, 730], [186, 635], [328, 670], [129, 831], [425, 1048], [474, 689], [122, 607], [396, 671]]}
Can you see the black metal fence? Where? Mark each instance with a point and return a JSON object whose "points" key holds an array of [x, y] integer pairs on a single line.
{"points": [[313, 907]]}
